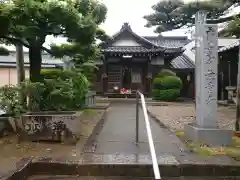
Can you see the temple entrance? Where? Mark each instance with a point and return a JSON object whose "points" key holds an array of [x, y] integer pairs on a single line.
{"points": [[126, 77]]}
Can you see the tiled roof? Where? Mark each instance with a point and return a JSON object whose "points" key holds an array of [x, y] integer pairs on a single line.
{"points": [[47, 61], [152, 42], [131, 49], [182, 62], [168, 42], [187, 59], [126, 28], [230, 46]]}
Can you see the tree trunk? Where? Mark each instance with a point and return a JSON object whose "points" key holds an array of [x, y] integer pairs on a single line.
{"points": [[35, 59], [20, 63], [20, 69]]}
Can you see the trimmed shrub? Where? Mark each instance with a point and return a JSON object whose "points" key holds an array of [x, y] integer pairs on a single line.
{"points": [[166, 72], [167, 82], [166, 86], [166, 95]]}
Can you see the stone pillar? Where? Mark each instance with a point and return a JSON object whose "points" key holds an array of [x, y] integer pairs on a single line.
{"points": [[200, 20], [205, 129], [206, 105]]}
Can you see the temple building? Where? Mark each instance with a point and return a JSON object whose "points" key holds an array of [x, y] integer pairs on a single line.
{"points": [[131, 61]]}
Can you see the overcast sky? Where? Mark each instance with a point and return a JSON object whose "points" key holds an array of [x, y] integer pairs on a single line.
{"points": [[131, 11]]}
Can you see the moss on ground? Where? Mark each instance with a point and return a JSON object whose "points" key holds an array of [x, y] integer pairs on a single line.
{"points": [[180, 134], [90, 111], [204, 150]]}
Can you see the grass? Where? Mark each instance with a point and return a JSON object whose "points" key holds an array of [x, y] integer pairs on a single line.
{"points": [[205, 150], [90, 112]]}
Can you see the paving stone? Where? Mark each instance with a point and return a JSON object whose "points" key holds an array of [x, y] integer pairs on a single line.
{"points": [[127, 159]]}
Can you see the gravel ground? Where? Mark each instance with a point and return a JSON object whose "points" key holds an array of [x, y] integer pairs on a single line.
{"points": [[11, 152], [176, 115]]}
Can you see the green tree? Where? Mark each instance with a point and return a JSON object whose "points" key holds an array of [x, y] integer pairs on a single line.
{"points": [[3, 51], [29, 22], [233, 28], [82, 57], [175, 14]]}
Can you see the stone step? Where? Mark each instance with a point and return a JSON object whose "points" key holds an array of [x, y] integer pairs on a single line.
{"points": [[51, 167], [38, 177]]}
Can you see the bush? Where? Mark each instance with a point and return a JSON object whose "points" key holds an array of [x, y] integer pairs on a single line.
{"points": [[10, 100], [33, 91], [166, 86], [167, 82], [65, 89], [166, 72], [166, 95]]}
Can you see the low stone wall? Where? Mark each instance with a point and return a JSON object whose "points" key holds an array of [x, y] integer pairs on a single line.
{"points": [[30, 167], [50, 126]]}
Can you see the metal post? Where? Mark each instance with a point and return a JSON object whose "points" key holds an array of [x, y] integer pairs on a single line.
{"points": [[137, 117]]}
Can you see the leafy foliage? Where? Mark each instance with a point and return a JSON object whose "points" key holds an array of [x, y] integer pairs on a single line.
{"points": [[166, 86], [166, 72], [10, 100], [33, 91], [233, 28], [175, 14], [59, 90], [4, 51], [166, 95], [29, 22], [167, 82], [65, 90]]}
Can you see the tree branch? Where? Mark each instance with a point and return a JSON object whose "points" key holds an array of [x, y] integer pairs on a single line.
{"points": [[16, 40], [221, 20]]}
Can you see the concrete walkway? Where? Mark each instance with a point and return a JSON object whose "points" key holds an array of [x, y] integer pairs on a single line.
{"points": [[119, 132], [116, 141]]}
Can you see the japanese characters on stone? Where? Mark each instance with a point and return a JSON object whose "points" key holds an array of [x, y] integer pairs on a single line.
{"points": [[210, 64]]}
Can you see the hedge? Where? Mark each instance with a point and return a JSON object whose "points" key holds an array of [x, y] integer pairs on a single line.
{"points": [[166, 95], [166, 86]]}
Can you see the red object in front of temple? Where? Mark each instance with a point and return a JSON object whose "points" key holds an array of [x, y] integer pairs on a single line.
{"points": [[125, 91]]}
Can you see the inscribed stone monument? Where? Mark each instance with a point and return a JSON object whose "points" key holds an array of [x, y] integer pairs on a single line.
{"points": [[206, 106], [199, 24], [206, 72]]}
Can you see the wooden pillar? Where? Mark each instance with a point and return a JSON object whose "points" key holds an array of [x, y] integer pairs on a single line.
{"points": [[104, 76], [149, 76]]}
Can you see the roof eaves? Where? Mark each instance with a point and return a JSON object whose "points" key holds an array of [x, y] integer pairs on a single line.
{"points": [[231, 46], [128, 28], [182, 62]]}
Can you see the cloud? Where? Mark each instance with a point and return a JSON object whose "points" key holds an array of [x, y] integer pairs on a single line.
{"points": [[131, 11]]}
